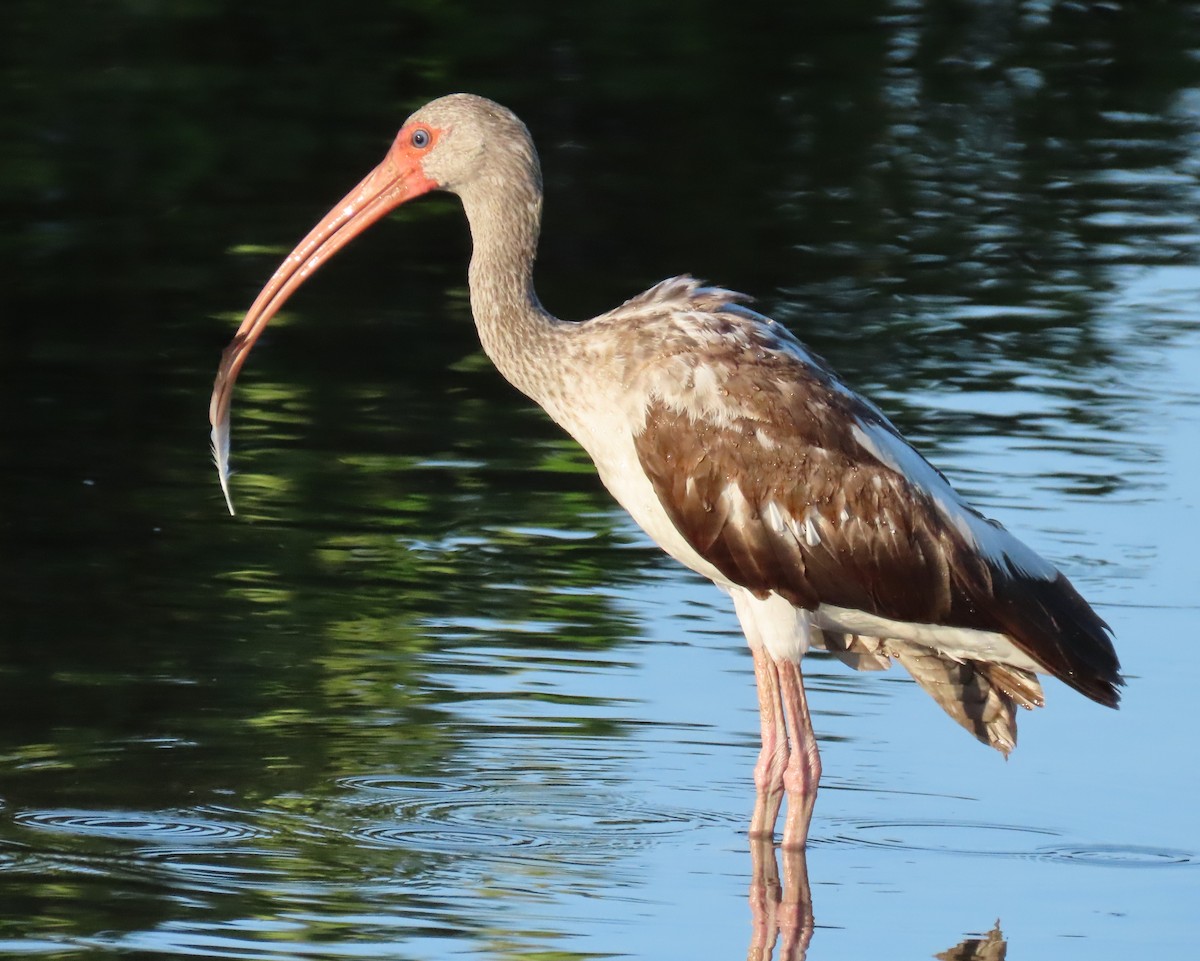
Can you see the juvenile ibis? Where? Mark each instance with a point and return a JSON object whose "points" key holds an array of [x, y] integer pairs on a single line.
{"points": [[745, 458]]}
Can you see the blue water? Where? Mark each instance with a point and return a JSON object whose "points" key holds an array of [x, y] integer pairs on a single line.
{"points": [[431, 695]]}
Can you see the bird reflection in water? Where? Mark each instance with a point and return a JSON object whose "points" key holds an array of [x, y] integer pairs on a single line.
{"points": [[781, 910], [986, 947]]}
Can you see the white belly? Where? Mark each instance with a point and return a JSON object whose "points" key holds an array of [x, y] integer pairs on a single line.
{"points": [[605, 434], [957, 643], [621, 472]]}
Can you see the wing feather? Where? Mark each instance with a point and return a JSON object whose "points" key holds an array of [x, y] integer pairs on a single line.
{"points": [[758, 454]]}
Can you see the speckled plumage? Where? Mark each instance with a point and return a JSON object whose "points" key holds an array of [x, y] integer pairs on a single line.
{"points": [[744, 457], [748, 440]]}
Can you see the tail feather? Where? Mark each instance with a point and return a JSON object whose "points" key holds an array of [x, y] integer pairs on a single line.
{"points": [[1049, 619], [981, 697]]}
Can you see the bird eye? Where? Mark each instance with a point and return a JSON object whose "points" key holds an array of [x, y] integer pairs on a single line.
{"points": [[420, 138]]}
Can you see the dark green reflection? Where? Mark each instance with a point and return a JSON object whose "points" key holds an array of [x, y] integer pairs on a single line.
{"points": [[937, 196]]}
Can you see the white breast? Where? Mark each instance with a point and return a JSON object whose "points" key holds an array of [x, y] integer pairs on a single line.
{"points": [[605, 434]]}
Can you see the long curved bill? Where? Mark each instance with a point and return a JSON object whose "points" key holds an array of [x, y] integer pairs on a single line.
{"points": [[383, 190]]}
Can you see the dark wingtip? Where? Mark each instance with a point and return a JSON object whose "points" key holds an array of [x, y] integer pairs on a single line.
{"points": [[1053, 623]]}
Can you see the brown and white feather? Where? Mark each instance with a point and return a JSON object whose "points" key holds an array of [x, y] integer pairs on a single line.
{"points": [[780, 480]]}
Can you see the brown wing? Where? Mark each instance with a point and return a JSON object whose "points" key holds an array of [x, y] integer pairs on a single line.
{"points": [[774, 489]]}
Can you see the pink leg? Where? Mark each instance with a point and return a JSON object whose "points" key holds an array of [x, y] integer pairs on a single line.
{"points": [[803, 772], [770, 771]]}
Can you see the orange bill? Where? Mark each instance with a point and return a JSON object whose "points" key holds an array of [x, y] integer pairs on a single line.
{"points": [[398, 179]]}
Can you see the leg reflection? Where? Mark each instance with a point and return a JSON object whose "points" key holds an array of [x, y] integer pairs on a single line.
{"points": [[780, 911]]}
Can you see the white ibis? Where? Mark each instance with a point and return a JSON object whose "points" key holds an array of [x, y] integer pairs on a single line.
{"points": [[745, 458]]}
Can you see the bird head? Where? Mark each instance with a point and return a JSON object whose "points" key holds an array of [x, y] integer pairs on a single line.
{"points": [[447, 144]]}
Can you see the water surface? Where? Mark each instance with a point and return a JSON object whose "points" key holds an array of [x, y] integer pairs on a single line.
{"points": [[431, 694]]}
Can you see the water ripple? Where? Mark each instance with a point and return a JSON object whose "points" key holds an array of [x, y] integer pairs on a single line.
{"points": [[1120, 856], [156, 827], [952, 837], [396, 784], [981, 839], [537, 818]]}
